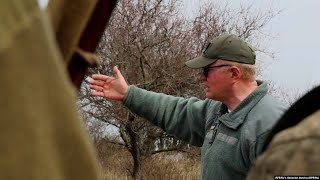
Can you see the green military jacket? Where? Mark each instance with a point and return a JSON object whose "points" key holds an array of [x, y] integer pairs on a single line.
{"points": [[230, 142]]}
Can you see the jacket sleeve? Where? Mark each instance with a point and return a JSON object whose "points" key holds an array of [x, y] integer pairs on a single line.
{"points": [[183, 118]]}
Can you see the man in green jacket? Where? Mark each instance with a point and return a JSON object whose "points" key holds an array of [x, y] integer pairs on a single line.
{"points": [[231, 124]]}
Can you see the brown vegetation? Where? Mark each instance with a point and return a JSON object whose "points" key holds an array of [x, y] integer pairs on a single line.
{"points": [[116, 163]]}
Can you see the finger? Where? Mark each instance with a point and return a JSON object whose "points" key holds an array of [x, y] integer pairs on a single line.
{"points": [[116, 72], [100, 77], [95, 93], [95, 82], [96, 88]]}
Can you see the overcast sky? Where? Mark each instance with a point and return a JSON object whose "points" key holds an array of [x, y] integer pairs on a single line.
{"points": [[295, 40], [296, 43]]}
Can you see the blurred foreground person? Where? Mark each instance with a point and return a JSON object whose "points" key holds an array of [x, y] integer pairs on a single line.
{"points": [[42, 136]]}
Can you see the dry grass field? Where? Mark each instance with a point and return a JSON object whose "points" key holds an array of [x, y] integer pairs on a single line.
{"points": [[116, 163]]}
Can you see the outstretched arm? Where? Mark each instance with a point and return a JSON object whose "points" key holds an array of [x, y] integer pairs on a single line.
{"points": [[113, 88]]}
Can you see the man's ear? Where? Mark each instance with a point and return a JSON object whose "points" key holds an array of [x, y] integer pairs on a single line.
{"points": [[235, 72]]}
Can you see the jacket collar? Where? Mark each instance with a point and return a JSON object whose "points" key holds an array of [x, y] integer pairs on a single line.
{"points": [[235, 118]]}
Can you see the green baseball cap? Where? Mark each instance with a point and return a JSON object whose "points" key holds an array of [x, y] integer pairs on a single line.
{"points": [[228, 47]]}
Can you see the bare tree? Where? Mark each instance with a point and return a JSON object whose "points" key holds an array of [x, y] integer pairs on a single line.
{"points": [[150, 41], [287, 95]]}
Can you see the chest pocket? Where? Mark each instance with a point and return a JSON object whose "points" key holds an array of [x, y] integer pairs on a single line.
{"points": [[227, 139], [215, 133]]}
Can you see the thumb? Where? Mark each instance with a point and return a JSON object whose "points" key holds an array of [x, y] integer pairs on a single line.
{"points": [[116, 72]]}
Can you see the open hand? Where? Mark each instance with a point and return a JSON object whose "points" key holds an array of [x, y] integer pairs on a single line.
{"points": [[113, 88]]}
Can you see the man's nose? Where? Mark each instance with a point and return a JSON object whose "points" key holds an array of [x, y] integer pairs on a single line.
{"points": [[202, 77]]}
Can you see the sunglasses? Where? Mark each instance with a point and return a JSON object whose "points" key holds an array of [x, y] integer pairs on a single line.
{"points": [[207, 69]]}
